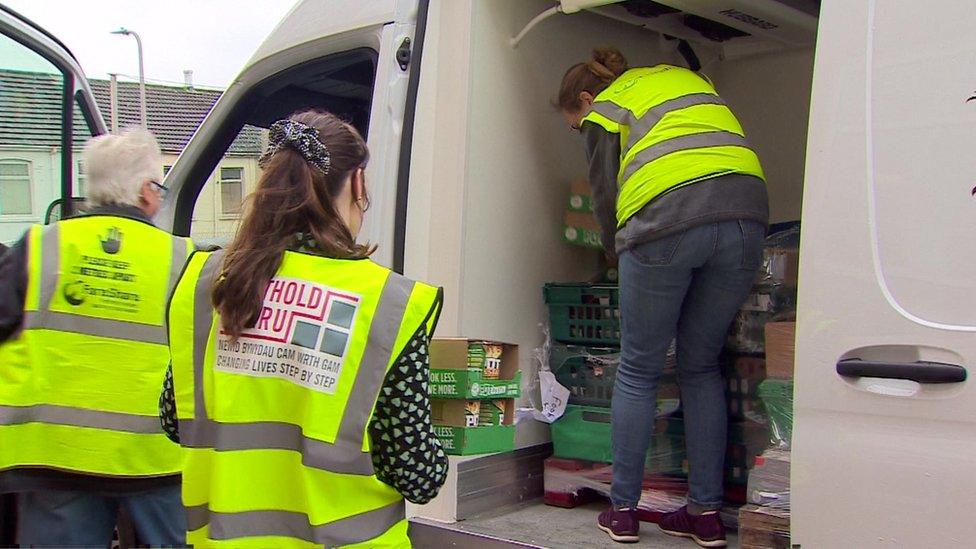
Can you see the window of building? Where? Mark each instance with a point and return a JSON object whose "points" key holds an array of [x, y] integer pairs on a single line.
{"points": [[231, 185], [15, 188]]}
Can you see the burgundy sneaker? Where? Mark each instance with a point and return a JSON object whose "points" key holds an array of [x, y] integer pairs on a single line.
{"points": [[706, 529], [620, 524]]}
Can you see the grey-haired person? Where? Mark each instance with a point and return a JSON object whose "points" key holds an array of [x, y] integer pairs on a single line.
{"points": [[82, 350]]}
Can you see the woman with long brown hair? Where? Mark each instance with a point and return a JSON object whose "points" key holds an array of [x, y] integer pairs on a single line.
{"points": [[681, 200], [300, 368]]}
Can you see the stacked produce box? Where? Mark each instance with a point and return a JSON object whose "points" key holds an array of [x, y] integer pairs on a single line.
{"points": [[765, 522], [473, 387]]}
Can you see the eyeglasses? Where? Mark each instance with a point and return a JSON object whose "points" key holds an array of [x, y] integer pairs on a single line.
{"points": [[163, 190]]}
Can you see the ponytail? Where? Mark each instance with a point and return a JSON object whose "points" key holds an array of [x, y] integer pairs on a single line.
{"points": [[294, 196], [593, 76]]}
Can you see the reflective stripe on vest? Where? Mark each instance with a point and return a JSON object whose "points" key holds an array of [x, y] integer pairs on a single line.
{"points": [[664, 143], [81, 374], [101, 327], [78, 417], [336, 499], [347, 531]]}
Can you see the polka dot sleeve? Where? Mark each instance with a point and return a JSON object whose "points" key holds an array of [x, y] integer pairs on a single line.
{"points": [[406, 452]]}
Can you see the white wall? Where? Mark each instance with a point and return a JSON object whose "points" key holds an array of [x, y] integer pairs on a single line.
{"points": [[521, 157], [492, 163], [770, 94]]}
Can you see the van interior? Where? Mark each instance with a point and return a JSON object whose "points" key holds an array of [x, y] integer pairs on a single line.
{"points": [[520, 158]]}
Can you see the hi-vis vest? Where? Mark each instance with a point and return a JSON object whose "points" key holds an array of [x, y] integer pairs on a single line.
{"points": [[80, 383], [275, 422], [674, 131]]}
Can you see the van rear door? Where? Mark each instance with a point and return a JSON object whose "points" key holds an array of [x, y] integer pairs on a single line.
{"points": [[359, 60], [885, 425], [47, 113]]}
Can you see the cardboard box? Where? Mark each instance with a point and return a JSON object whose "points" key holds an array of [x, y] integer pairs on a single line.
{"points": [[580, 196], [473, 369], [455, 412], [582, 229], [780, 352], [457, 424], [461, 441]]}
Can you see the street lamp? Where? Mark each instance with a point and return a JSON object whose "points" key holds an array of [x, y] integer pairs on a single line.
{"points": [[142, 77]]}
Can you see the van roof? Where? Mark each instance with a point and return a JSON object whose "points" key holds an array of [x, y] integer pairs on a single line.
{"points": [[311, 20]]}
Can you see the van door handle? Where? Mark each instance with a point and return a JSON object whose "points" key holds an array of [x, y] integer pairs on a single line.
{"points": [[920, 371]]}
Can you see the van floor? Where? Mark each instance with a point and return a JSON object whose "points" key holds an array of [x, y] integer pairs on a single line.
{"points": [[535, 524]]}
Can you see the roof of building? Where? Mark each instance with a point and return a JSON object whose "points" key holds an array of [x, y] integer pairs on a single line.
{"points": [[30, 104]]}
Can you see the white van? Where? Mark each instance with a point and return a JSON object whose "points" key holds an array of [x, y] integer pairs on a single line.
{"points": [[858, 110]]}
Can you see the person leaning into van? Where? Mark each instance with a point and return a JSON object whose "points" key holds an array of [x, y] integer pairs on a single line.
{"points": [[299, 366], [682, 202], [82, 352]]}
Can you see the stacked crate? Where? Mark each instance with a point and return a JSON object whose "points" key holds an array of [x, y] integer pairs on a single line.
{"points": [[584, 357], [473, 387]]}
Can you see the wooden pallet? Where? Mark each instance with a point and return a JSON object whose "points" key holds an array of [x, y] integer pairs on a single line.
{"points": [[594, 485]]}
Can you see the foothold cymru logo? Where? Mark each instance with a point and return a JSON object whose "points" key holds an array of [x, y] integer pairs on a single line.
{"points": [[112, 241], [74, 292]]}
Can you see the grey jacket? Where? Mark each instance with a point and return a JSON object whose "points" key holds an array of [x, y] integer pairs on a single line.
{"points": [[722, 198]]}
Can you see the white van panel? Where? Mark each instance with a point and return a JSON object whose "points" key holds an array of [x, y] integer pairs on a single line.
{"points": [[879, 461], [922, 159], [313, 19]]}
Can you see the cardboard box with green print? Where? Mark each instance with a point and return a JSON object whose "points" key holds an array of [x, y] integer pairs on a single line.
{"points": [[474, 369], [467, 427]]}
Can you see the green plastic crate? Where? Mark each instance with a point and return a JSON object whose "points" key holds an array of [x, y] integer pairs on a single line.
{"points": [[587, 314], [590, 373], [583, 432]]}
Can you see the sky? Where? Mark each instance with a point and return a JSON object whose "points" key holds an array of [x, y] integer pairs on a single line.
{"points": [[213, 38]]}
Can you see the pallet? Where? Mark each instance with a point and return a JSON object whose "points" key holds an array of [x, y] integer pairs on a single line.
{"points": [[571, 483]]}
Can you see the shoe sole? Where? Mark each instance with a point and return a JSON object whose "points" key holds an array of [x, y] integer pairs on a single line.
{"points": [[618, 538], [696, 539]]}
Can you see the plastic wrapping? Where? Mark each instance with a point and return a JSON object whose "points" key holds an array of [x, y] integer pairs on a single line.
{"points": [[769, 481], [780, 255], [773, 297], [547, 398], [777, 398], [765, 523]]}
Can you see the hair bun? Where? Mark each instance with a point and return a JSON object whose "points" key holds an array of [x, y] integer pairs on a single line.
{"points": [[611, 58]]}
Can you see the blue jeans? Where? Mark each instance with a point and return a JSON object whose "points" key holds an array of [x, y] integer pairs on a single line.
{"points": [[49, 518], [690, 286]]}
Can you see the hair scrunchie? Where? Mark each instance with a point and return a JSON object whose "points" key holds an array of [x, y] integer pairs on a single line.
{"points": [[300, 137]]}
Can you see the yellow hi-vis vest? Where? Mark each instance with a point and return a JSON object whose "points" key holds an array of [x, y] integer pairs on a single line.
{"points": [[80, 383], [674, 131], [275, 423]]}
